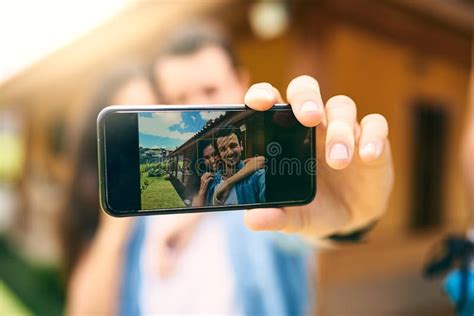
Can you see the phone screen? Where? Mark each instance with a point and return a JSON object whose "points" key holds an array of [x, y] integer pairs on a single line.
{"points": [[170, 161]]}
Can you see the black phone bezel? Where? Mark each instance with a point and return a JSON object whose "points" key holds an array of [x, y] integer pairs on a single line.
{"points": [[101, 144]]}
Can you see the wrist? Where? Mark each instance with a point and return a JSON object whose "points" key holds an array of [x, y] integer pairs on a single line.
{"points": [[228, 182], [226, 185]]}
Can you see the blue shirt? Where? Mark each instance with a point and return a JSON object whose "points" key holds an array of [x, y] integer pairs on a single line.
{"points": [[271, 270], [452, 286], [250, 190]]}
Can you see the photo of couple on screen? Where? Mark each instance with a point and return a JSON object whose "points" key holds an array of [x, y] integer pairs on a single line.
{"points": [[201, 158]]}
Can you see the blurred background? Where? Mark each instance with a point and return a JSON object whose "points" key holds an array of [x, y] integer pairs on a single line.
{"points": [[409, 60]]}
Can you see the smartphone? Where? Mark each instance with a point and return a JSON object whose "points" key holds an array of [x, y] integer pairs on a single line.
{"points": [[166, 159]]}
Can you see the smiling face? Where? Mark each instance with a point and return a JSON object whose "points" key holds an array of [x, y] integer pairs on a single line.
{"points": [[229, 149], [210, 157]]}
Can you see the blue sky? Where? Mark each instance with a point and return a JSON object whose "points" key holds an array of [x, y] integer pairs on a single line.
{"points": [[171, 129]]}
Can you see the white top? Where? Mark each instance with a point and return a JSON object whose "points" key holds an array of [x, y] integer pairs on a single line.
{"points": [[232, 198], [202, 281]]}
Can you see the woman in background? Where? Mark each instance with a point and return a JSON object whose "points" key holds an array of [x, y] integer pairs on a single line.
{"points": [[105, 256], [94, 243]]}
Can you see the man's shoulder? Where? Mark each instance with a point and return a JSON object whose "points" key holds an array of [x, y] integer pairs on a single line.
{"points": [[259, 173], [258, 176]]}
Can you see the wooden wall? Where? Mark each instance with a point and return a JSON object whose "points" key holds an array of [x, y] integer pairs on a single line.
{"points": [[385, 66]]}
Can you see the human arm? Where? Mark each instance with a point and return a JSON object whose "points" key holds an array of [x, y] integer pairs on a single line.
{"points": [[355, 170], [94, 286], [251, 165], [200, 199]]}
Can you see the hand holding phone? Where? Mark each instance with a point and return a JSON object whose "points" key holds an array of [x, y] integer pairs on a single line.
{"points": [[355, 172]]}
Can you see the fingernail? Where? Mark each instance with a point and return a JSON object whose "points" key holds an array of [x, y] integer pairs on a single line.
{"points": [[263, 94], [339, 152], [369, 149], [310, 106]]}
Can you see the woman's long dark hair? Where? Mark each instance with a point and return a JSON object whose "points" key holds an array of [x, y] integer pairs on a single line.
{"points": [[197, 168], [80, 217]]}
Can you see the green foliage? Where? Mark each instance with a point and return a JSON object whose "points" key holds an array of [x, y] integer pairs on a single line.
{"points": [[39, 288], [156, 172], [10, 303], [144, 181], [157, 169]]}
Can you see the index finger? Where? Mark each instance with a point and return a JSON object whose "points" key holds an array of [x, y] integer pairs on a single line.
{"points": [[305, 98], [262, 96]]}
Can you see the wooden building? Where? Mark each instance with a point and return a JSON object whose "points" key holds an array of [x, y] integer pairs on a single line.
{"points": [[183, 173], [409, 60]]}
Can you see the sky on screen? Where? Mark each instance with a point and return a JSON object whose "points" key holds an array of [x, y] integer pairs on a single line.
{"points": [[171, 129]]}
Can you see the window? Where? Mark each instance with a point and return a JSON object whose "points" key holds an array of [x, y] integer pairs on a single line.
{"points": [[429, 147]]}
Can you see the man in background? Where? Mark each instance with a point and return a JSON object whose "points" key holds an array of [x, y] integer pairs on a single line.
{"points": [[249, 190]]}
